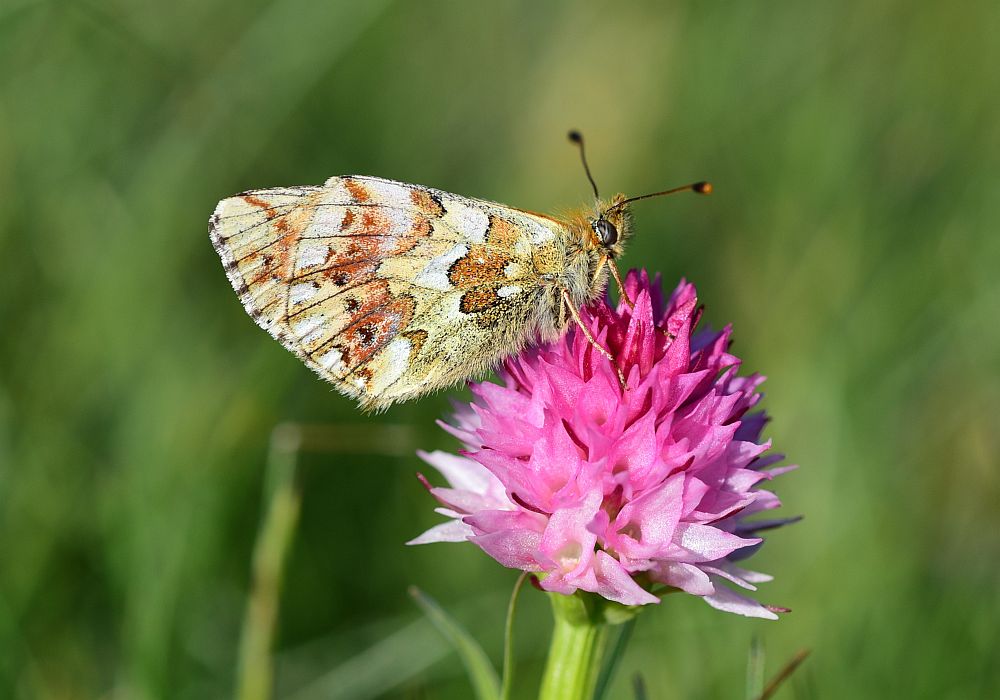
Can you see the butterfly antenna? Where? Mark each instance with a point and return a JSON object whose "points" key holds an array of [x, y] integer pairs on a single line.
{"points": [[699, 187], [577, 138]]}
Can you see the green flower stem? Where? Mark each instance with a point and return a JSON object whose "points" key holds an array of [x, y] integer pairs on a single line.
{"points": [[578, 640]]}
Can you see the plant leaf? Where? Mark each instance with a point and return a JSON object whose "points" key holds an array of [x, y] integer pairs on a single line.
{"points": [[614, 655]]}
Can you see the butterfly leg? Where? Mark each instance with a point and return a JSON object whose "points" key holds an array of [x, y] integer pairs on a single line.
{"points": [[590, 338], [618, 280]]}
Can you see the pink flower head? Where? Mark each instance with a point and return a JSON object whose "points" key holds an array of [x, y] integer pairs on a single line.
{"points": [[621, 493]]}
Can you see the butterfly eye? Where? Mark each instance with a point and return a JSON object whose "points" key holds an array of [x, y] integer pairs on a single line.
{"points": [[606, 231]]}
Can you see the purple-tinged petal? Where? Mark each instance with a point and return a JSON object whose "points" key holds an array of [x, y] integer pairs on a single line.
{"points": [[463, 473], [732, 578], [701, 543], [451, 531], [755, 526], [751, 426], [746, 574], [718, 505], [778, 471], [695, 491], [462, 501], [729, 600], [687, 577]]}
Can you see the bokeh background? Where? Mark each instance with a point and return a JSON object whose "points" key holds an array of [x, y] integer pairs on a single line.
{"points": [[852, 241]]}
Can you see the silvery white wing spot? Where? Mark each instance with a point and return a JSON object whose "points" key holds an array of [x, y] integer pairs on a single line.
{"points": [[390, 290]]}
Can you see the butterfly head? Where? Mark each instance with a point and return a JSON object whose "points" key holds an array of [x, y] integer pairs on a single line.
{"points": [[611, 226]]}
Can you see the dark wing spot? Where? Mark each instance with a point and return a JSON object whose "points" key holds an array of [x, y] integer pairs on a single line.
{"points": [[365, 374], [417, 339], [366, 334], [478, 300]]}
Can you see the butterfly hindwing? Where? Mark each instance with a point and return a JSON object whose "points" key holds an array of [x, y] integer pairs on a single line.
{"points": [[387, 290]]}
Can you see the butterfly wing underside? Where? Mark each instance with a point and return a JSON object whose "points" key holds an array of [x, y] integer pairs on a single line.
{"points": [[387, 290]]}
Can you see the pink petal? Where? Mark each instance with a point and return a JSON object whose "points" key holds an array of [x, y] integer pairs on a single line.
{"points": [[652, 518], [636, 449], [567, 541], [614, 582], [694, 491], [486, 521], [515, 549]]}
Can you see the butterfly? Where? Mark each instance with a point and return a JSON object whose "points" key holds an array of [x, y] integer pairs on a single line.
{"points": [[390, 290]]}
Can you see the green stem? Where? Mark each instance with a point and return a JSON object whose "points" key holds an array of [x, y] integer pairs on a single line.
{"points": [[578, 640], [507, 684]]}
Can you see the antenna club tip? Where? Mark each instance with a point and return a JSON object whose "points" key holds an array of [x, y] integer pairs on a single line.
{"points": [[702, 187], [575, 136]]}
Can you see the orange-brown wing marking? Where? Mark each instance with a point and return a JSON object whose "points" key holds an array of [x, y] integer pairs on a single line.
{"points": [[274, 256], [375, 321], [368, 238], [481, 265], [502, 233], [482, 272], [427, 203]]}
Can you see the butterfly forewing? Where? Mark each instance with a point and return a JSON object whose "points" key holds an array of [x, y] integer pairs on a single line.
{"points": [[387, 290]]}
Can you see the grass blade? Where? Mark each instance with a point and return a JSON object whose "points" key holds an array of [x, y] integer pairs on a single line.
{"points": [[639, 687], [255, 674], [755, 669], [784, 674], [477, 664]]}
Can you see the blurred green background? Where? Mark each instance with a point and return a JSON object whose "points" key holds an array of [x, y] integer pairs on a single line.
{"points": [[852, 241]]}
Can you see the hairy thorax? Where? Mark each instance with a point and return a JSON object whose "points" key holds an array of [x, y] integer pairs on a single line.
{"points": [[570, 262]]}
